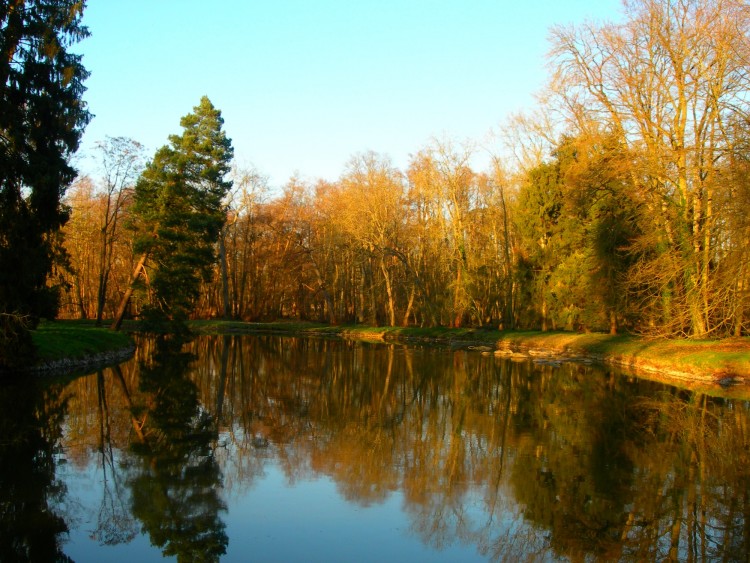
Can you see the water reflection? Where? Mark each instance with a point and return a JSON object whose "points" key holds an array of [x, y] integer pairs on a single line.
{"points": [[495, 459], [174, 478], [30, 423]]}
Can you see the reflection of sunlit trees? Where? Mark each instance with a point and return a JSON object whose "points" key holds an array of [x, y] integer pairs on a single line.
{"points": [[95, 421], [693, 495], [545, 462], [455, 461], [98, 429], [239, 448], [115, 523], [573, 475], [359, 459], [469, 440], [30, 525], [612, 475], [363, 415], [359, 446]]}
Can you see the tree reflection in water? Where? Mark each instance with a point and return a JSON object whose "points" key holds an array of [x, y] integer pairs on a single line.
{"points": [[516, 461], [570, 461], [30, 421], [175, 479]]}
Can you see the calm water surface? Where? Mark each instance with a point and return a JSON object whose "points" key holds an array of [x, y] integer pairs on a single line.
{"points": [[289, 449]]}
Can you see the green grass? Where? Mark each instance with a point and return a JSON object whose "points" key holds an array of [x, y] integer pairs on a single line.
{"points": [[56, 340]]}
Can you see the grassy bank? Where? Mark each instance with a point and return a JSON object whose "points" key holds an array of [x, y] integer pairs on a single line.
{"points": [[707, 361], [74, 341]]}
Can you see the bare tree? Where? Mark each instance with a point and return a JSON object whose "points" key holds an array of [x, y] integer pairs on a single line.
{"points": [[121, 161], [668, 80]]}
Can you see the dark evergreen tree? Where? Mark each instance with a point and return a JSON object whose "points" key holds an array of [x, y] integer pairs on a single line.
{"points": [[179, 211], [576, 222], [42, 118], [539, 221]]}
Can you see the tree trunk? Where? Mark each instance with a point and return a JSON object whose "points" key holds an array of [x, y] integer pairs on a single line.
{"points": [[408, 307], [457, 309], [224, 278], [79, 298], [508, 320], [389, 292], [101, 295], [612, 322], [117, 322], [740, 288], [101, 292]]}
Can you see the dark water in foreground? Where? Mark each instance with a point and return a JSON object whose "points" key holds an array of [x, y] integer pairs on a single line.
{"points": [[288, 449]]}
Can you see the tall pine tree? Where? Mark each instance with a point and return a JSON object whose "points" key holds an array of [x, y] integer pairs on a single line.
{"points": [[179, 211], [42, 117]]}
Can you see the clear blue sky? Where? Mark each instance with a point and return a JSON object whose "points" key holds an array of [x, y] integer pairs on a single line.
{"points": [[304, 85]]}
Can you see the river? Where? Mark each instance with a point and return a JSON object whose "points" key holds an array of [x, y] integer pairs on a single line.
{"points": [[271, 448]]}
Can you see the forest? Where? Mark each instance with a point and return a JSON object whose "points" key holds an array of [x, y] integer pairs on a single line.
{"points": [[619, 204]]}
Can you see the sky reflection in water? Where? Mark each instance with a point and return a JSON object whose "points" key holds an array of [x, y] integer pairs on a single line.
{"points": [[279, 521]]}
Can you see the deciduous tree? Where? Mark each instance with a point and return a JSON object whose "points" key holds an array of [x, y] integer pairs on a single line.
{"points": [[669, 81], [121, 162]]}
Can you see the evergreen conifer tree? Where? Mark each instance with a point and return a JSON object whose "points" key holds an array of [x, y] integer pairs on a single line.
{"points": [[179, 211], [42, 118]]}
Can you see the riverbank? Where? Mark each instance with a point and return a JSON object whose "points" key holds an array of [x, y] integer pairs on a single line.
{"points": [[706, 362], [65, 346]]}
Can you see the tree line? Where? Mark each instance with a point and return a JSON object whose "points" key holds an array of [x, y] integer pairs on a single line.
{"points": [[625, 207], [620, 203]]}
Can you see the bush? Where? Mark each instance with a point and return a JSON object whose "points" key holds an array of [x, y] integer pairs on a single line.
{"points": [[16, 346]]}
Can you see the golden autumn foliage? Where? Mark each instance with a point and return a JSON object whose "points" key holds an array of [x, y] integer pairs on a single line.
{"points": [[622, 204]]}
